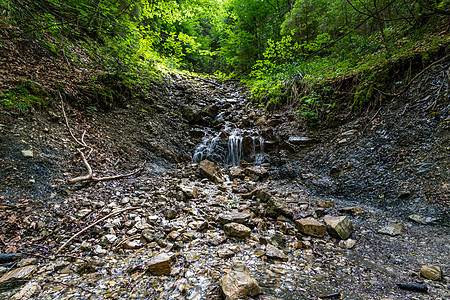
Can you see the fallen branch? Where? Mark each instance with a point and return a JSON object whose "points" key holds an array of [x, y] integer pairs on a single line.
{"points": [[113, 214], [89, 176]]}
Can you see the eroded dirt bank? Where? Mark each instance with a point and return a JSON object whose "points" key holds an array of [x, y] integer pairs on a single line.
{"points": [[387, 173]]}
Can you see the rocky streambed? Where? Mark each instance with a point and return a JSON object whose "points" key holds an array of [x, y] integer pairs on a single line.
{"points": [[265, 210]]}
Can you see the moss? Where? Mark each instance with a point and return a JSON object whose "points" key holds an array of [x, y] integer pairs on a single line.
{"points": [[24, 95]]}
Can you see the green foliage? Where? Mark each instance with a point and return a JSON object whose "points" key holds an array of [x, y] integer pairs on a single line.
{"points": [[25, 94]]}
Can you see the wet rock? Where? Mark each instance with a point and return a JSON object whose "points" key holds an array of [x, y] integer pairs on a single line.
{"points": [[238, 283], [392, 229], [234, 217], [237, 230], [300, 140], [212, 110], [17, 276], [256, 173], [199, 225], [210, 170], [275, 253], [310, 226], [277, 206], [131, 244], [25, 293], [161, 264], [432, 272], [225, 253], [28, 153], [339, 227], [422, 219], [352, 210]]}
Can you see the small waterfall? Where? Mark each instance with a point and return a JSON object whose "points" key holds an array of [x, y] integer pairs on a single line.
{"points": [[235, 148], [210, 148], [216, 148], [258, 158]]}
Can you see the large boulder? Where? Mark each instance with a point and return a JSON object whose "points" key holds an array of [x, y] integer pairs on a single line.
{"points": [[277, 207], [339, 227], [238, 283], [237, 230], [210, 170]]}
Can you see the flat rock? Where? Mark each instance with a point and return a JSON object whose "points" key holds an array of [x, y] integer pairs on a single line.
{"points": [[190, 192], [161, 264], [392, 229], [422, 219], [225, 253], [352, 210], [339, 227], [108, 239], [234, 217], [324, 203], [300, 140], [432, 272], [210, 170], [236, 230], [236, 172], [27, 291], [17, 276], [28, 153], [83, 212], [238, 283], [275, 253], [148, 235], [310, 226]]}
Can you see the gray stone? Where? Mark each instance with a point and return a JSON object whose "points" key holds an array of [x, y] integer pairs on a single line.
{"points": [[225, 253], [192, 113], [142, 225], [236, 172], [349, 243], [422, 219], [17, 276], [161, 264], [234, 217], [432, 272], [28, 153], [170, 214], [339, 227], [238, 283], [98, 250], [189, 191], [26, 262], [83, 212], [277, 206], [310, 226], [237, 230], [278, 240], [392, 229], [262, 195], [324, 203], [275, 253], [108, 239], [300, 140]]}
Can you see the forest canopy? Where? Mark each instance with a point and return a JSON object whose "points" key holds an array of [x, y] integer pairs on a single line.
{"points": [[270, 44]]}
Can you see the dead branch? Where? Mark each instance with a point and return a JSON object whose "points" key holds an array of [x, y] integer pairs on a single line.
{"points": [[113, 214], [89, 176]]}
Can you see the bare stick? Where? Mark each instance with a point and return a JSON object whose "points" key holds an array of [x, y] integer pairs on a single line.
{"points": [[114, 213], [67, 123], [89, 176]]}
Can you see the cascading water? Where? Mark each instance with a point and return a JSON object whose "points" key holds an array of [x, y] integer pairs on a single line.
{"points": [[235, 148], [230, 152]]}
